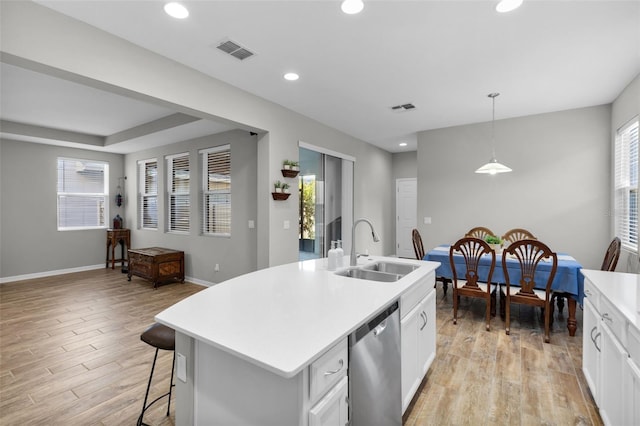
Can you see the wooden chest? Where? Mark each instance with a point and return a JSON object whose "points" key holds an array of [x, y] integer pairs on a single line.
{"points": [[156, 264]]}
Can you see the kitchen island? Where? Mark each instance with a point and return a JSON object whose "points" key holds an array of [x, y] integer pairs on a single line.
{"points": [[248, 348]]}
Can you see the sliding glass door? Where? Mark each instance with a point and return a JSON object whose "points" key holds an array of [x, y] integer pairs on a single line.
{"points": [[325, 188]]}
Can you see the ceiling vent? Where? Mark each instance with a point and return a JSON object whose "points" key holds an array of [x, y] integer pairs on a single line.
{"points": [[403, 107], [235, 50]]}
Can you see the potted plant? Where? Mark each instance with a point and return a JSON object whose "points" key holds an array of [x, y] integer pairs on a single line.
{"points": [[285, 187], [295, 166], [494, 242], [286, 165], [278, 186]]}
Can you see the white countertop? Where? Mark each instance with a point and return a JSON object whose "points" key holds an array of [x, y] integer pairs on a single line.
{"points": [[621, 289], [283, 318]]}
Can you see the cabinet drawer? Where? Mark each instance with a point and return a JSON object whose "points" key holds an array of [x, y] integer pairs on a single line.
{"points": [[591, 292], [613, 319], [328, 369], [415, 294]]}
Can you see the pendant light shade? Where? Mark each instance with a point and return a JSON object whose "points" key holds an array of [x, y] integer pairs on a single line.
{"points": [[493, 166]]}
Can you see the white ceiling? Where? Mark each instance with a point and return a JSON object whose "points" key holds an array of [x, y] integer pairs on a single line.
{"points": [[442, 56]]}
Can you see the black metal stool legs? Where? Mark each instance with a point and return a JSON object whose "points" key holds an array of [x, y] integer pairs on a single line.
{"points": [[146, 395]]}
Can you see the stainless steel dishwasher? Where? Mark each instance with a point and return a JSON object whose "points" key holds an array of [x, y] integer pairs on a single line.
{"points": [[375, 394]]}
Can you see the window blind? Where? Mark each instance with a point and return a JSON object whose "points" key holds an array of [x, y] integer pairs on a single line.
{"points": [[83, 194], [179, 200], [626, 185], [148, 194], [216, 190]]}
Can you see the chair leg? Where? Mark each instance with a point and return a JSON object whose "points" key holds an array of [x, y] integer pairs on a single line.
{"points": [[146, 395], [491, 308], [456, 300], [507, 316]]}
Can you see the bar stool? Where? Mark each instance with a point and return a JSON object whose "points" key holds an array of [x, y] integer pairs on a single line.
{"points": [[160, 337]]}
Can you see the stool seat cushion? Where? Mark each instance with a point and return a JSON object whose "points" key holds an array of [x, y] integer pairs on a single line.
{"points": [[160, 336]]}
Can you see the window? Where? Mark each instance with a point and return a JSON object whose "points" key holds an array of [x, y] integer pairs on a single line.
{"points": [[178, 184], [83, 194], [626, 185], [148, 194], [216, 188]]}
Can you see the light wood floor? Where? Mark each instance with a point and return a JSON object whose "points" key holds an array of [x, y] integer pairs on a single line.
{"points": [[70, 354]]}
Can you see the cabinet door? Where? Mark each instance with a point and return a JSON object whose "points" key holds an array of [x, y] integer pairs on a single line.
{"points": [[591, 342], [613, 360], [426, 334], [632, 393], [332, 410], [409, 354]]}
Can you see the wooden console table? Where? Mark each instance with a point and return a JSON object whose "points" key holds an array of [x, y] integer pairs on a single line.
{"points": [[156, 264], [115, 237]]}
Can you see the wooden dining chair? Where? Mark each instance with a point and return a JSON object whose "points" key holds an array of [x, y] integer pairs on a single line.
{"points": [[479, 232], [609, 264], [517, 234], [530, 254], [418, 248], [472, 250]]}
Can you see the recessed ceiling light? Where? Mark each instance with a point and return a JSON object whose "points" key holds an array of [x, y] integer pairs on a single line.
{"points": [[508, 5], [291, 76], [351, 7], [176, 10], [403, 144]]}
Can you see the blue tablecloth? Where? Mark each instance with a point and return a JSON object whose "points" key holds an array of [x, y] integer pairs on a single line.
{"points": [[568, 278]]}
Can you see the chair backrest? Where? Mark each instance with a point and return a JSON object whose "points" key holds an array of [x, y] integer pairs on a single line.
{"points": [[530, 254], [479, 232], [418, 248], [611, 256], [471, 249], [517, 234]]}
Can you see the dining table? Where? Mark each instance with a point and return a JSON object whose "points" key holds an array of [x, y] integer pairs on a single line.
{"points": [[568, 281]]}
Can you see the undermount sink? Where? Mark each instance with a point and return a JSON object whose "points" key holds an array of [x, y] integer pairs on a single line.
{"points": [[379, 271], [367, 274], [391, 268]]}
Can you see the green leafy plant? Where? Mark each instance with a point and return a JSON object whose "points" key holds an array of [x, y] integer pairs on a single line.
{"points": [[285, 186], [278, 184], [492, 239]]}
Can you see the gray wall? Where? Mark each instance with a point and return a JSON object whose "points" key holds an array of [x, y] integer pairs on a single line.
{"points": [[40, 39], [236, 254], [624, 108], [559, 188], [29, 241]]}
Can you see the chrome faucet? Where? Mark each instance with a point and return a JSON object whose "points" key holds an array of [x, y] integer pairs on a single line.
{"points": [[354, 257]]}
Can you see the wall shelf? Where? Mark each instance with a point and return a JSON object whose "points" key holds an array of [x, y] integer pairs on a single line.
{"points": [[290, 173], [280, 196]]}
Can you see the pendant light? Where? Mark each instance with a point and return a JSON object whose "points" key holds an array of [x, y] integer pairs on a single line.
{"points": [[493, 167]]}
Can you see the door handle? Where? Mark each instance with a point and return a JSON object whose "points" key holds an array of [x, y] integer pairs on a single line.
{"points": [[596, 343], [332, 372], [380, 328], [593, 339], [606, 316], [424, 317]]}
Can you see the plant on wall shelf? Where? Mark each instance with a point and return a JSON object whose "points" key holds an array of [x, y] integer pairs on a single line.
{"points": [[278, 186], [285, 187]]}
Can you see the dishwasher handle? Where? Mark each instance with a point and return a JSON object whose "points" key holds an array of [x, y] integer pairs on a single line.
{"points": [[380, 328]]}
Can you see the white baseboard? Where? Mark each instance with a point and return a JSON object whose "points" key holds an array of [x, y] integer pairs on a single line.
{"points": [[49, 273], [81, 269]]}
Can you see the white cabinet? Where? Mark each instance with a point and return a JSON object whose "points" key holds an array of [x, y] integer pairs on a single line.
{"points": [[332, 410], [591, 343], [613, 363], [418, 336], [633, 393], [611, 345]]}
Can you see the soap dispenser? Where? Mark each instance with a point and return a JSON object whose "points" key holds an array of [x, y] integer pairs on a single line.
{"points": [[333, 257], [340, 253]]}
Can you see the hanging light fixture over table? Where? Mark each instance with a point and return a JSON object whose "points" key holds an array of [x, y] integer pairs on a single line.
{"points": [[493, 167]]}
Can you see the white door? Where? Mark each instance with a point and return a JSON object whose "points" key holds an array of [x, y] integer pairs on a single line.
{"points": [[406, 206]]}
